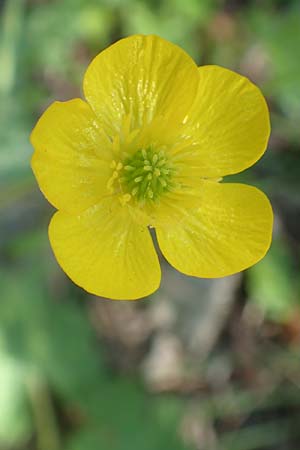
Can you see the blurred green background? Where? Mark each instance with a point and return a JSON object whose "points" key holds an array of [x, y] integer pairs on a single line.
{"points": [[201, 365]]}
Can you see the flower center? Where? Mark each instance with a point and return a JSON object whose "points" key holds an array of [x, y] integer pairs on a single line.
{"points": [[147, 174]]}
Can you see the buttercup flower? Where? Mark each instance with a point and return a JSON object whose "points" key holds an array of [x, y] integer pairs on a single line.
{"points": [[148, 148]]}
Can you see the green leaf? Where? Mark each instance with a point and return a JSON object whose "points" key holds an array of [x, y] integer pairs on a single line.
{"points": [[271, 283], [15, 418], [53, 337], [126, 418]]}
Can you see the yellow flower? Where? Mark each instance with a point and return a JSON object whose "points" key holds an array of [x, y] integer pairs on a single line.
{"points": [[147, 149]]}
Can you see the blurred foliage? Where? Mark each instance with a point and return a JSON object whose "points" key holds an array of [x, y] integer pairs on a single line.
{"points": [[63, 380], [273, 283], [49, 345], [280, 39]]}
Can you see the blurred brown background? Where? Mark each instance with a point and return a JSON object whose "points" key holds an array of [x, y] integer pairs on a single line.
{"points": [[201, 365]]}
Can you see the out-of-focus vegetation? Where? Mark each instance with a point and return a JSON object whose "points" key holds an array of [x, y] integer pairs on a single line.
{"points": [[203, 365]]}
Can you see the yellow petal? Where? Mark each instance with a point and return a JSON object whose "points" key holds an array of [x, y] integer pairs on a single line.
{"points": [[106, 253], [172, 206], [144, 76], [229, 232], [70, 155], [228, 124]]}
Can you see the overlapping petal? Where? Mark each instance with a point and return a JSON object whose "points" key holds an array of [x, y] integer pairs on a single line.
{"points": [[70, 158], [228, 126], [105, 252], [228, 233], [141, 76]]}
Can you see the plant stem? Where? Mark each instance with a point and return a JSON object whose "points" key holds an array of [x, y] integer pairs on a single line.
{"points": [[48, 437]]}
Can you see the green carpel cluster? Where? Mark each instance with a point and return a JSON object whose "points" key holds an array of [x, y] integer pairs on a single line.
{"points": [[147, 174]]}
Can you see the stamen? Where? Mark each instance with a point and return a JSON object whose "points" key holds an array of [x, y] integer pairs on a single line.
{"points": [[125, 199], [116, 144]]}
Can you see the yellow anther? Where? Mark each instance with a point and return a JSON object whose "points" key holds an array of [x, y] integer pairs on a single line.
{"points": [[138, 179], [109, 185], [113, 164], [157, 172], [129, 168], [147, 168], [134, 191], [149, 177], [119, 166], [125, 199]]}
